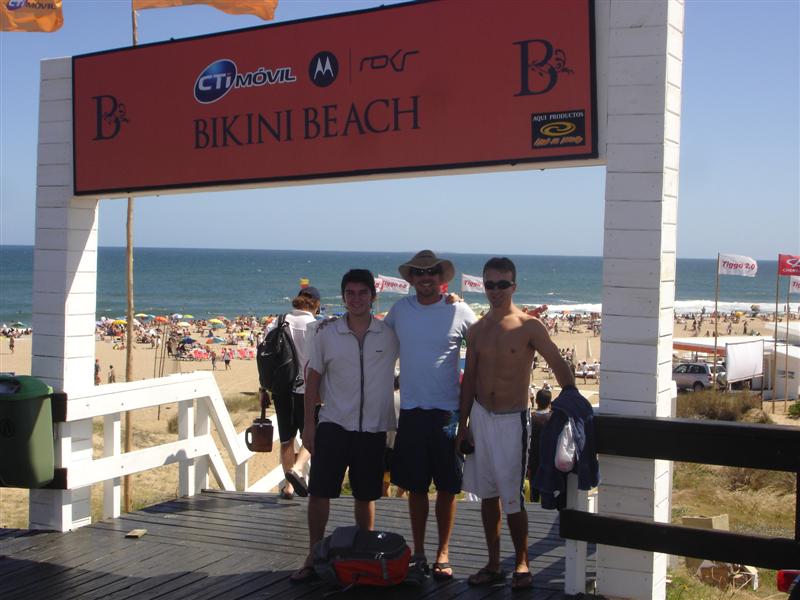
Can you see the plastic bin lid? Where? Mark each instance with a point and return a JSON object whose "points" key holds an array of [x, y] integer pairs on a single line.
{"points": [[23, 387]]}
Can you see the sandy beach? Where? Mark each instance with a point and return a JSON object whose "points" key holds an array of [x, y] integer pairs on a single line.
{"points": [[239, 384]]}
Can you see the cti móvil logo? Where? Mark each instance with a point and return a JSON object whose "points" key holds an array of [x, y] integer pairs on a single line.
{"points": [[15, 4], [221, 76]]}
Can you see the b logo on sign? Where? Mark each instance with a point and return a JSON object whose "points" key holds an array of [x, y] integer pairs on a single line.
{"points": [[111, 114]]}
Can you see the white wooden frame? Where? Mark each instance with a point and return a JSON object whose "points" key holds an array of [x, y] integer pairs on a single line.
{"points": [[199, 405]]}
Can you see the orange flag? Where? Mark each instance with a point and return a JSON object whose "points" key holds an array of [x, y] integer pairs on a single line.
{"points": [[24, 15], [264, 9]]}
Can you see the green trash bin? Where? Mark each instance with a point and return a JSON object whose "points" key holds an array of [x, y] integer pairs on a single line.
{"points": [[26, 432]]}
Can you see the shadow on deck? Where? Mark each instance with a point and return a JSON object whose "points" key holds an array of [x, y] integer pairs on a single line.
{"points": [[230, 545]]}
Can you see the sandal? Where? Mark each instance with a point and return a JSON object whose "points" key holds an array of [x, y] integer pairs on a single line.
{"points": [[284, 495], [522, 580], [418, 570], [486, 577], [298, 483], [305, 574], [442, 571]]}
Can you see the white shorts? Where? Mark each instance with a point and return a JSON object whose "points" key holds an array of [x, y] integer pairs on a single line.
{"points": [[497, 467]]}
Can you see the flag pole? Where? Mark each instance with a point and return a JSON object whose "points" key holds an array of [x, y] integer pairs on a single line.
{"points": [[775, 340], [716, 328], [786, 354], [126, 482]]}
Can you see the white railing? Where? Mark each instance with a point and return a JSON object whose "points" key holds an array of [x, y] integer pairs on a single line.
{"points": [[199, 403]]}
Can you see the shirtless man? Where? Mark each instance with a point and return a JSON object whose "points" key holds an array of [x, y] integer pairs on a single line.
{"points": [[494, 396]]}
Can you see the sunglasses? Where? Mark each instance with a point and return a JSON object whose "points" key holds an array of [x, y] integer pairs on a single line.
{"points": [[503, 284], [416, 272]]}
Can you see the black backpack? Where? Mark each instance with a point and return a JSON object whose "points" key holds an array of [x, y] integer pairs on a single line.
{"points": [[276, 359]]}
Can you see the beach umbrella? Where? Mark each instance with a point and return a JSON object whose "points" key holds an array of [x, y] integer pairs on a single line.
{"points": [[184, 324], [188, 340], [160, 319], [215, 340], [141, 315], [218, 325], [188, 316], [119, 322], [18, 324], [215, 321], [177, 316], [243, 333]]}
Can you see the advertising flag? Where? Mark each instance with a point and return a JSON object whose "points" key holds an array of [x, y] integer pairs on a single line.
{"points": [[788, 264], [394, 285], [25, 15], [471, 283], [794, 285], [732, 264], [265, 9]]}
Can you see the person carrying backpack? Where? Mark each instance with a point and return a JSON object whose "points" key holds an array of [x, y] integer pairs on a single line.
{"points": [[281, 363]]}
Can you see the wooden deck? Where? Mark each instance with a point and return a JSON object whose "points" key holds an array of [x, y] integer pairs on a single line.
{"points": [[230, 545]]}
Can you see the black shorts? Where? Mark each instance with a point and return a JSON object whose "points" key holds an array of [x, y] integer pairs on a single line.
{"points": [[335, 450], [290, 413], [423, 452]]}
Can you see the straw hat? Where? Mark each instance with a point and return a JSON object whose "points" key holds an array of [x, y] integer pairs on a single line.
{"points": [[424, 260]]}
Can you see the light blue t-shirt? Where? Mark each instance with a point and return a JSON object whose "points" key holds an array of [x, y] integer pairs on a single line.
{"points": [[430, 342]]}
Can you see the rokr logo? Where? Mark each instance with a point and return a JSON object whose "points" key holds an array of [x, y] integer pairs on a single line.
{"points": [[323, 69]]}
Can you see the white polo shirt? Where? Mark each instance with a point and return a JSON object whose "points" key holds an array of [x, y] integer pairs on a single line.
{"points": [[357, 385]]}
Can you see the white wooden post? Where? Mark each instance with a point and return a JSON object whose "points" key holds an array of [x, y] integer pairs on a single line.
{"points": [[574, 550], [644, 69], [202, 426], [112, 446], [186, 471], [64, 292]]}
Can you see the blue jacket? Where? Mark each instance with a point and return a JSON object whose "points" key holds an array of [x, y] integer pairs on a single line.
{"points": [[551, 482]]}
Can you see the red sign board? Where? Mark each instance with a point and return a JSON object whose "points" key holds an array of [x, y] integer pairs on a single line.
{"points": [[442, 84]]}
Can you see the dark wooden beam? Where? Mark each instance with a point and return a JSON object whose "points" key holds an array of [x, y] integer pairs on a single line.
{"points": [[724, 546], [755, 446]]}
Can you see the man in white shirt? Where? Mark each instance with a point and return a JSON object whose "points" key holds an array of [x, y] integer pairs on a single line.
{"points": [[350, 371]]}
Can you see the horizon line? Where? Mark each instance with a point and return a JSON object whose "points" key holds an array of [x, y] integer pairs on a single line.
{"points": [[372, 251]]}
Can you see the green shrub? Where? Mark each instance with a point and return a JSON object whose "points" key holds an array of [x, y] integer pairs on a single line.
{"points": [[242, 401], [719, 406], [794, 410]]}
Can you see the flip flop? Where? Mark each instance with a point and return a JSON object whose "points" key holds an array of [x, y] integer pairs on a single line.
{"points": [[305, 574], [440, 571], [298, 483], [486, 577], [522, 580], [286, 495]]}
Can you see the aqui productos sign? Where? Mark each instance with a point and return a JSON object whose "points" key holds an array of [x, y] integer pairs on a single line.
{"points": [[425, 86]]}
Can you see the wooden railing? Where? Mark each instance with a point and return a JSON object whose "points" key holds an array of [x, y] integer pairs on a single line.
{"points": [[706, 442], [199, 404]]}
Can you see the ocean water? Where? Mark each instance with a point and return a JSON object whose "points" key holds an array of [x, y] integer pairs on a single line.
{"points": [[207, 283]]}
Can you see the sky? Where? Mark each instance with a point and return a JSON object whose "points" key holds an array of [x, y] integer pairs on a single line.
{"points": [[739, 174]]}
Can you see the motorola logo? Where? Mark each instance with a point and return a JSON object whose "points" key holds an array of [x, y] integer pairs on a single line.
{"points": [[323, 69]]}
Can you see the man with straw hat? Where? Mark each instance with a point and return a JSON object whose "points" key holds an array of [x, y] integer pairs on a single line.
{"points": [[430, 330]]}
